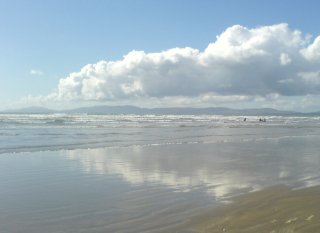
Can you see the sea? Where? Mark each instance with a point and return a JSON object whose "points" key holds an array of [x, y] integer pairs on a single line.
{"points": [[143, 173]]}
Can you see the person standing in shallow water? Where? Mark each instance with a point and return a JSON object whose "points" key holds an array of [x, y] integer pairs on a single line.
{"points": [[262, 120]]}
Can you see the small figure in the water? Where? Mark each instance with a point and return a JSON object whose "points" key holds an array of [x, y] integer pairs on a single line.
{"points": [[245, 119], [262, 120]]}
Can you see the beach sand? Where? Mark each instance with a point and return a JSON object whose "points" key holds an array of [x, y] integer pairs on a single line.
{"points": [[273, 210]]}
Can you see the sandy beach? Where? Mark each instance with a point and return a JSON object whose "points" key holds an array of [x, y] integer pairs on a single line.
{"points": [[273, 210], [152, 175]]}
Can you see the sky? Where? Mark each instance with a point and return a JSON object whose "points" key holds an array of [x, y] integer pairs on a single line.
{"points": [[233, 53]]}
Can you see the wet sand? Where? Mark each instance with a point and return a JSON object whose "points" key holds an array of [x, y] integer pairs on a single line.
{"points": [[277, 209], [153, 189]]}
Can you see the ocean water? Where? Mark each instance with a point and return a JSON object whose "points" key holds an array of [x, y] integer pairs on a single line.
{"points": [[132, 173], [24, 133]]}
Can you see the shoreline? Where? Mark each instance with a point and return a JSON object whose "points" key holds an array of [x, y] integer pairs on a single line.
{"points": [[271, 210]]}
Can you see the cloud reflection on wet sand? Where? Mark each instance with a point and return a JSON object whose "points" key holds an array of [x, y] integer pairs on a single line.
{"points": [[221, 170]]}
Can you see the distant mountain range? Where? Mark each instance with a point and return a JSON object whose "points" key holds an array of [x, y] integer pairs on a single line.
{"points": [[127, 109]]}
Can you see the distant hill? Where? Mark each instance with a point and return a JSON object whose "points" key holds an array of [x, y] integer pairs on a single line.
{"points": [[181, 111], [127, 109], [30, 110]]}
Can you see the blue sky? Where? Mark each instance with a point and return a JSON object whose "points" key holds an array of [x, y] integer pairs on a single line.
{"points": [[43, 42]]}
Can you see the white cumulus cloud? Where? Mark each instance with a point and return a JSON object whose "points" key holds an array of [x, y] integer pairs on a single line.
{"points": [[240, 65], [36, 72], [312, 52], [285, 59]]}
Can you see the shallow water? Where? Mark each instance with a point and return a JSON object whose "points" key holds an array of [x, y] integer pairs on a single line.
{"points": [[153, 178]]}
